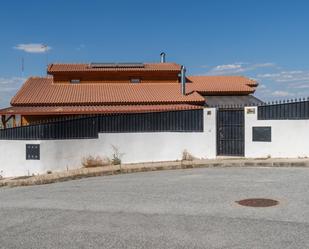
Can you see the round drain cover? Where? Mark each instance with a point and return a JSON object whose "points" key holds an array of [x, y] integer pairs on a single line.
{"points": [[258, 202]]}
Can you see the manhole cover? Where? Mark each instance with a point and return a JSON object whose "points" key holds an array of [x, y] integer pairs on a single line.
{"points": [[258, 202]]}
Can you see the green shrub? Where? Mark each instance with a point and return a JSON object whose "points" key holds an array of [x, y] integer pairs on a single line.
{"points": [[116, 156]]}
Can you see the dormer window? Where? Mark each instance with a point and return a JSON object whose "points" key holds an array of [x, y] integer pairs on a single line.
{"points": [[75, 81], [135, 80]]}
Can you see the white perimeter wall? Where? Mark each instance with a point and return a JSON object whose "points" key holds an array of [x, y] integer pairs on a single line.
{"points": [[290, 138], [59, 155]]}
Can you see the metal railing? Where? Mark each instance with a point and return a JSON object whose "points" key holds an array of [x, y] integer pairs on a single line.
{"points": [[90, 127], [286, 109], [70, 129]]}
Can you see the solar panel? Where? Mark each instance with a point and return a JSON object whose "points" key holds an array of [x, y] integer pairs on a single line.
{"points": [[117, 65], [99, 65]]}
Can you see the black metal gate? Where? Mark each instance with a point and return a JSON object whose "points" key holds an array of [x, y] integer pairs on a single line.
{"points": [[230, 132]]}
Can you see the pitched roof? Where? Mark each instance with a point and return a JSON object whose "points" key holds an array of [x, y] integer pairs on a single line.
{"points": [[232, 101], [67, 110], [221, 84], [42, 91], [58, 67]]}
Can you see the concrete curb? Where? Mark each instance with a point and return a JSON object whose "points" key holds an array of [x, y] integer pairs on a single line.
{"points": [[145, 167]]}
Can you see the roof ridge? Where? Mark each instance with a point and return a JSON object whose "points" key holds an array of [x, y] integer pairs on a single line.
{"points": [[87, 63], [118, 84], [223, 76]]}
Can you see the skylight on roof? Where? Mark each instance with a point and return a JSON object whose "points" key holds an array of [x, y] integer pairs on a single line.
{"points": [[135, 80], [75, 81]]}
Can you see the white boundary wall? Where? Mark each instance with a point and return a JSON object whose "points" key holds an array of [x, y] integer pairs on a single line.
{"points": [[290, 138], [59, 155]]}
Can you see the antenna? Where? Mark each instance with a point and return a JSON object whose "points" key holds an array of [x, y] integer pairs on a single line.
{"points": [[45, 47], [22, 66]]}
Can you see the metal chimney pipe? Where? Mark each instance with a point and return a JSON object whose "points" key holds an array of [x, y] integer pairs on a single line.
{"points": [[162, 55], [183, 80]]}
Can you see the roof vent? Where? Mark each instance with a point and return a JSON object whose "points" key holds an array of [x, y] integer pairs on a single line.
{"points": [[183, 80], [162, 56], [117, 65]]}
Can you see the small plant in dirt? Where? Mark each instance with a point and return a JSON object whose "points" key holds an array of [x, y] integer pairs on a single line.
{"points": [[116, 156], [186, 156], [90, 161]]}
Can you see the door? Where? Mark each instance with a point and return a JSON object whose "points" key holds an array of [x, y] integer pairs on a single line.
{"points": [[230, 132]]}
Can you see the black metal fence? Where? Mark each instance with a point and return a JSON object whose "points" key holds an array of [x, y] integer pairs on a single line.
{"points": [[280, 110], [71, 129], [180, 121], [89, 127]]}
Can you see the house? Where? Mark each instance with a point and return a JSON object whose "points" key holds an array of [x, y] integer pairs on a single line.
{"points": [[148, 111], [77, 90]]}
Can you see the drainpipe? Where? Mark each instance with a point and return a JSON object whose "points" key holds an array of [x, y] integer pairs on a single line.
{"points": [[183, 80], [162, 56]]}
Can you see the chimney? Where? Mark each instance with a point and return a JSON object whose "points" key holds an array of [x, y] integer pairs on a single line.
{"points": [[183, 80], [162, 55]]}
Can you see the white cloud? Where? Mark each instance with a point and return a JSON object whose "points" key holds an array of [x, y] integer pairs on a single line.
{"points": [[8, 88], [33, 48], [237, 68], [302, 86], [80, 47], [287, 76], [268, 75], [266, 64], [227, 67], [262, 86], [282, 93], [10, 81]]}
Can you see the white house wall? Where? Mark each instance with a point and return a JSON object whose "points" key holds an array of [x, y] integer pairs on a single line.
{"points": [[58, 155], [13, 159], [290, 138]]}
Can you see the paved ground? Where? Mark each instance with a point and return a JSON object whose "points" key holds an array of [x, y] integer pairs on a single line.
{"points": [[169, 209]]}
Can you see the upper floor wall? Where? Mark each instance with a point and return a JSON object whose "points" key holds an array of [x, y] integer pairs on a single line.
{"points": [[115, 73]]}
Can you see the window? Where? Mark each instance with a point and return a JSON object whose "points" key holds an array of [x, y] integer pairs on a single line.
{"points": [[75, 81], [135, 80], [261, 134], [32, 152]]}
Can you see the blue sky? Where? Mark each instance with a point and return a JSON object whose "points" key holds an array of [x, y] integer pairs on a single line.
{"points": [[265, 40]]}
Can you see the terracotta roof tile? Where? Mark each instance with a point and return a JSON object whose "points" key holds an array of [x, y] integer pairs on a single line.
{"points": [[40, 96], [66, 110], [221, 84], [58, 67], [42, 91]]}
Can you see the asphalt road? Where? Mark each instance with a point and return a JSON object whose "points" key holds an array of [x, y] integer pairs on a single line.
{"points": [[168, 209]]}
